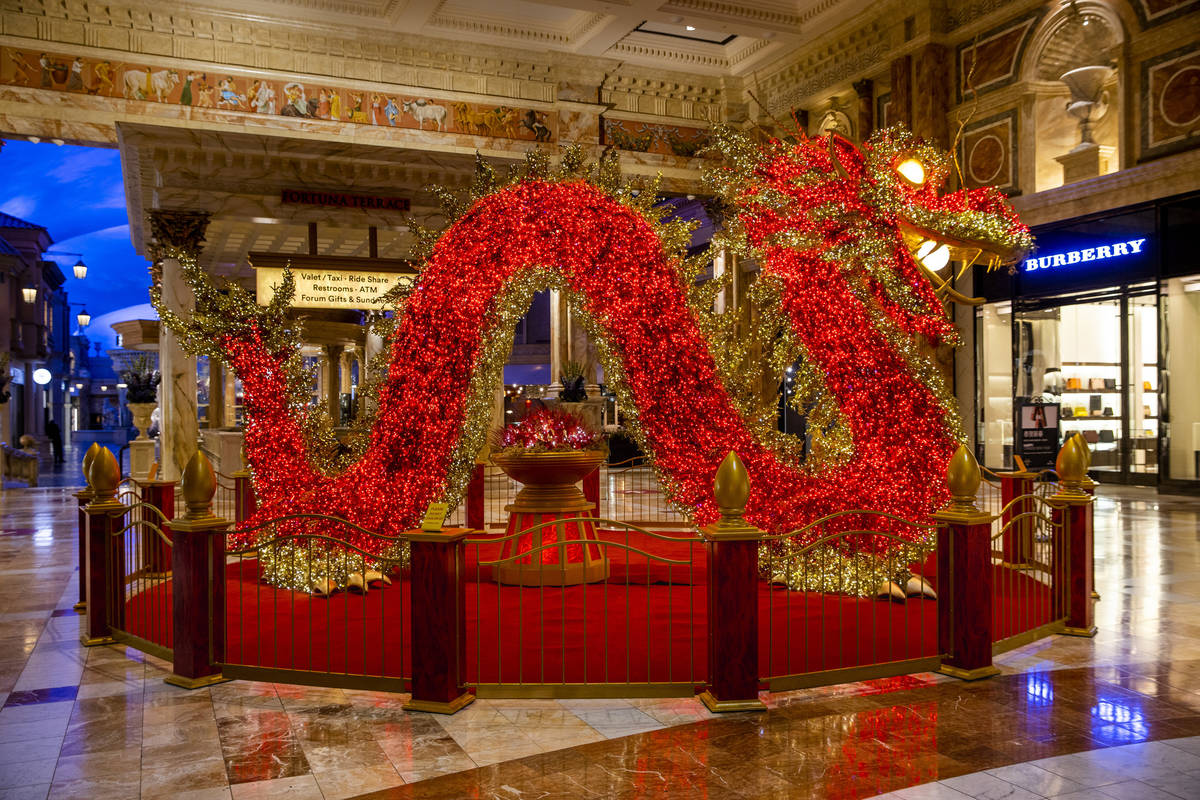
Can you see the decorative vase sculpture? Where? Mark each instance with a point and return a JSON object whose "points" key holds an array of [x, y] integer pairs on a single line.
{"points": [[1088, 99], [551, 538], [142, 417]]}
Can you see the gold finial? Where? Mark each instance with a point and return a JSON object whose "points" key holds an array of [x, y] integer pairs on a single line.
{"points": [[199, 486], [731, 487], [1071, 466], [88, 458], [963, 477], [104, 475]]}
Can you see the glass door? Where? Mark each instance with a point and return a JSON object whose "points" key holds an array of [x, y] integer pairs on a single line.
{"points": [[1179, 393], [1142, 327], [994, 431]]}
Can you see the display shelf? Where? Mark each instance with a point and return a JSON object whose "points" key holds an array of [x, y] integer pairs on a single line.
{"points": [[1089, 391], [1091, 363], [1099, 417]]}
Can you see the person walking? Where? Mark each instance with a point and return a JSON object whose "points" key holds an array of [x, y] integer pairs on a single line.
{"points": [[54, 433]]}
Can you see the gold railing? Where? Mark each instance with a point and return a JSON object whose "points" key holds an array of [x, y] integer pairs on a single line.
{"points": [[825, 622], [303, 628], [638, 632], [1027, 556], [139, 575]]}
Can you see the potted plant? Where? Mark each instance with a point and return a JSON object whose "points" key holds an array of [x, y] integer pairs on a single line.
{"points": [[548, 452], [141, 392], [573, 390]]}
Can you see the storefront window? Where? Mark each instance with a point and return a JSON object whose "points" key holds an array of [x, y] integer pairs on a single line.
{"points": [[995, 366], [1181, 390]]}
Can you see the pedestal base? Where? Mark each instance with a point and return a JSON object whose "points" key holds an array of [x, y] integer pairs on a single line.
{"points": [[1085, 161], [578, 561], [1085, 632], [969, 674], [141, 458], [723, 706], [196, 683], [432, 707]]}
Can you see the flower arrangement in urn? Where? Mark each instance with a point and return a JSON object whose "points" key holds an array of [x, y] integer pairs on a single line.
{"points": [[547, 431], [548, 452], [141, 392]]}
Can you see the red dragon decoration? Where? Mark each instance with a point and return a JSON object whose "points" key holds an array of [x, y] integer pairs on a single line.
{"points": [[835, 231]]}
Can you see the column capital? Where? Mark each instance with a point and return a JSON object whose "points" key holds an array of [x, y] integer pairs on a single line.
{"points": [[173, 228]]}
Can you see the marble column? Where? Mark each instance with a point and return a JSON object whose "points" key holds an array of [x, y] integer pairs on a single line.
{"points": [[931, 95], [333, 386], [718, 273], [176, 231], [865, 89], [900, 111], [372, 348], [558, 339], [216, 394]]}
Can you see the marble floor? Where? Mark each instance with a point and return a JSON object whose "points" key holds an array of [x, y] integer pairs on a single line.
{"points": [[1113, 716]]}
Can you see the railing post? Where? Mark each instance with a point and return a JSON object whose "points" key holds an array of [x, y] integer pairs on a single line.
{"points": [[591, 489], [475, 498], [964, 554], [1089, 487], [437, 612], [104, 581], [732, 549], [198, 581], [1017, 541], [1071, 592], [243, 490], [155, 552], [83, 497]]}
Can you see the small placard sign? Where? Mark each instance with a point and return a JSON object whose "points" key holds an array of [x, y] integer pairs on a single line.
{"points": [[435, 516]]}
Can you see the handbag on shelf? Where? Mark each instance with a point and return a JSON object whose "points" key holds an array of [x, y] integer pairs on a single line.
{"points": [[1110, 383], [1108, 412], [1107, 437], [1096, 383], [1074, 383], [1094, 403], [1146, 386], [1067, 412], [1081, 411], [1091, 437]]}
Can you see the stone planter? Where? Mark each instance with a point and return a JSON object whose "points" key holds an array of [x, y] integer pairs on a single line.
{"points": [[142, 412]]}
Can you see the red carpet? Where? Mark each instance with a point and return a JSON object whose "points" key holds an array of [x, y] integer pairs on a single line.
{"points": [[647, 622]]}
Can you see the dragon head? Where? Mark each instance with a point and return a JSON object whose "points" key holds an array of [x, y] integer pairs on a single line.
{"points": [[877, 211], [968, 226]]}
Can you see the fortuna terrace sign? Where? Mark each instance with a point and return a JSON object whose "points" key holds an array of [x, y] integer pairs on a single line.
{"points": [[1101, 253]]}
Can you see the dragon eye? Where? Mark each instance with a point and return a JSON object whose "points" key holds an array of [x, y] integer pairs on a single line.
{"points": [[912, 171], [934, 256]]}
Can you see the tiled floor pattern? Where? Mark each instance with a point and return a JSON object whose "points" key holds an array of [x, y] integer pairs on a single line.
{"points": [[100, 722], [1165, 770]]}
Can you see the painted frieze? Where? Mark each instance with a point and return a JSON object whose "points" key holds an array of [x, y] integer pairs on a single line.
{"points": [[224, 90], [645, 137]]}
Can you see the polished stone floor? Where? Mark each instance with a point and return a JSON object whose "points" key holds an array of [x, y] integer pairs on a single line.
{"points": [[100, 722]]}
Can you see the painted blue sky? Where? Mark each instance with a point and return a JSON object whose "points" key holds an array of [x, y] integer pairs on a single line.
{"points": [[77, 194]]}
